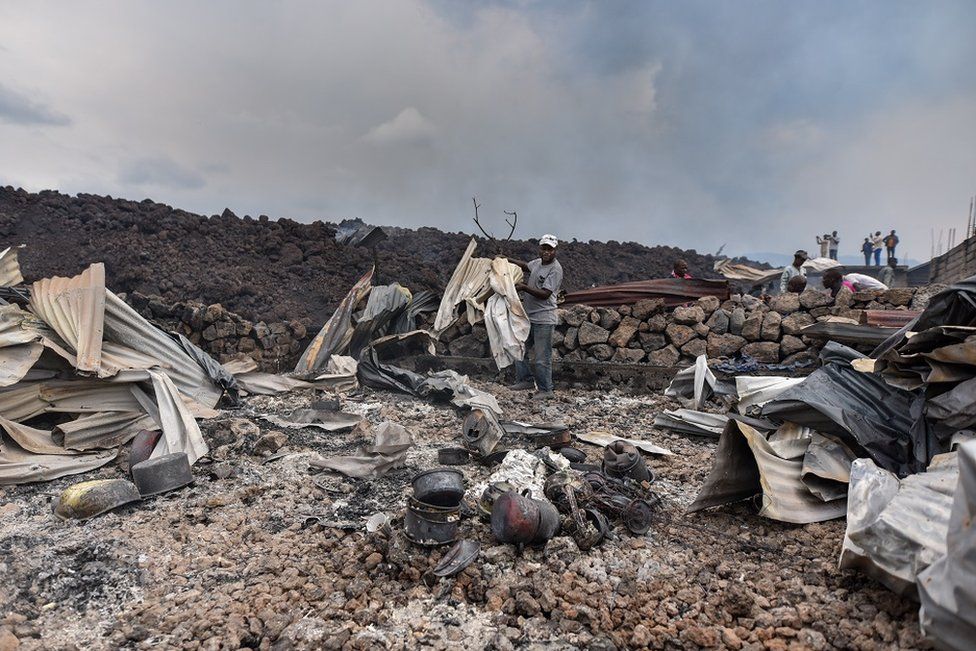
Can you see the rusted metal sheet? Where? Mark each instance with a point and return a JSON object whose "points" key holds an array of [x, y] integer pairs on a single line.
{"points": [[849, 333], [335, 335], [888, 318], [674, 291]]}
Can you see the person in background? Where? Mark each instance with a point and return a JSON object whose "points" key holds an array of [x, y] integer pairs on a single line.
{"points": [[877, 243], [891, 241], [796, 284], [864, 281], [888, 273], [833, 279], [824, 243], [795, 269], [866, 249], [543, 277], [680, 269], [834, 245]]}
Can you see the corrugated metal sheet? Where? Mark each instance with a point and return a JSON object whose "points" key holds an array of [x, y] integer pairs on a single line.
{"points": [[689, 421], [336, 333], [888, 318], [674, 291], [17, 361], [10, 268], [471, 284], [75, 309], [124, 326], [849, 333], [17, 466], [180, 430], [896, 528], [101, 430], [947, 589], [747, 464]]}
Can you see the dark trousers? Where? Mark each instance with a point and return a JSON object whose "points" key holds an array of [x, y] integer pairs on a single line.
{"points": [[540, 344], [867, 258], [877, 257], [891, 252], [833, 254]]}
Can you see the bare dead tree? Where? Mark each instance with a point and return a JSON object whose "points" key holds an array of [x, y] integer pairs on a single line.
{"points": [[511, 223], [480, 227]]}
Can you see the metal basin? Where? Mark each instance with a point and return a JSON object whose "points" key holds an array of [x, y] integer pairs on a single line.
{"points": [[90, 498], [439, 487]]}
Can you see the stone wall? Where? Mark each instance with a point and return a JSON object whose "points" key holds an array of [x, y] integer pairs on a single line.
{"points": [[649, 333], [275, 346]]}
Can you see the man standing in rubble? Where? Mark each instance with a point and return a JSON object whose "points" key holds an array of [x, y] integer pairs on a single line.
{"points": [[795, 269], [543, 277]]}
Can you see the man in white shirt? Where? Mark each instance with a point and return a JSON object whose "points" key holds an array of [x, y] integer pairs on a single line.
{"points": [[863, 281], [877, 242], [795, 269]]}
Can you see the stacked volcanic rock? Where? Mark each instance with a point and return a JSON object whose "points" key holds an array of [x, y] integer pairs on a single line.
{"points": [[225, 335], [648, 333]]}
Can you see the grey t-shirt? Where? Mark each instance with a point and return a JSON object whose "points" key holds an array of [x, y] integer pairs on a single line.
{"points": [[542, 276]]}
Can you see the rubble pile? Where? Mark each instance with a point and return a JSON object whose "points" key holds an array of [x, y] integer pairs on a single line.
{"points": [[263, 554], [647, 332], [265, 269]]}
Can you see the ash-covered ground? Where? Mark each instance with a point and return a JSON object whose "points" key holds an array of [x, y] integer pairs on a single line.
{"points": [[261, 559]]}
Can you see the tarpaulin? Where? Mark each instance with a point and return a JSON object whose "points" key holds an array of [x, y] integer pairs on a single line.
{"points": [[505, 318], [487, 288], [861, 408], [947, 589], [674, 291]]}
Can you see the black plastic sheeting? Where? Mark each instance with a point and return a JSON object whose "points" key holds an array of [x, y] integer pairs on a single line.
{"points": [[887, 423], [955, 305], [217, 373], [354, 232]]}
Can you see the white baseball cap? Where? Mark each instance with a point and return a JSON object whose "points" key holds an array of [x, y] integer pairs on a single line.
{"points": [[549, 240]]}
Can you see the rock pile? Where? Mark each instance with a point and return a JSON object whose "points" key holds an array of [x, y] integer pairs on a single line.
{"points": [[270, 269], [648, 333], [275, 346]]}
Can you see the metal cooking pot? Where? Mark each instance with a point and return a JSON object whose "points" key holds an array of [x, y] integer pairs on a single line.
{"points": [[439, 487], [426, 524], [520, 519]]}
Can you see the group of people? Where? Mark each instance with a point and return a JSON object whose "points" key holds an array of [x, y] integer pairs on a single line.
{"points": [[829, 244], [543, 277], [793, 279], [874, 243]]}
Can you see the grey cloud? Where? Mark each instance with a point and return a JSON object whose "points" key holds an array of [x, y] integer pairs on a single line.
{"points": [[753, 123], [409, 126], [160, 172], [16, 108]]}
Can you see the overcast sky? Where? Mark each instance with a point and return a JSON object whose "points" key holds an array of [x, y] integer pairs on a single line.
{"points": [[756, 124]]}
